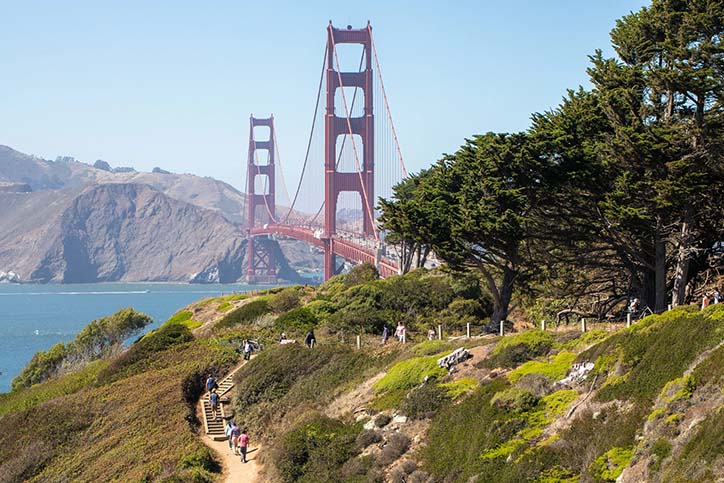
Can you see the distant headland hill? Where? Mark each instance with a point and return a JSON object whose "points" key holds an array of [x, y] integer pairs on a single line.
{"points": [[67, 221]]}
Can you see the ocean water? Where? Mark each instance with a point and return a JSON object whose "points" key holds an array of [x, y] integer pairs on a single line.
{"points": [[35, 317]]}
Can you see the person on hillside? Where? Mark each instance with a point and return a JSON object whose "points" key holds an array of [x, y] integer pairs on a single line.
{"points": [[243, 444], [235, 433], [431, 334], [214, 401], [211, 383], [716, 296], [282, 338], [705, 301], [385, 334], [248, 349], [400, 332], [310, 340]]}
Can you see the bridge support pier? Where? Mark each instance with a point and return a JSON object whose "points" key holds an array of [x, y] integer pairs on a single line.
{"points": [[330, 260], [261, 262]]}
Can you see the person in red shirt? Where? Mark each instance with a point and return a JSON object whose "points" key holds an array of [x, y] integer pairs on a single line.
{"points": [[243, 444]]}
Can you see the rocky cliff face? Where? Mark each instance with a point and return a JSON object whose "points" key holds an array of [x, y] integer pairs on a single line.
{"points": [[126, 232]]}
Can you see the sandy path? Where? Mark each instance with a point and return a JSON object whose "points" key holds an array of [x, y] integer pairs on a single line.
{"points": [[234, 470]]}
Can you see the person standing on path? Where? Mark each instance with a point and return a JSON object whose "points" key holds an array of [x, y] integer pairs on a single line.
{"points": [[214, 401], [400, 332], [385, 335], [235, 433], [243, 445], [227, 432], [310, 340], [248, 349]]}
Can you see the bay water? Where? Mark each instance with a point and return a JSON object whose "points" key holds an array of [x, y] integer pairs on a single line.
{"points": [[35, 317]]}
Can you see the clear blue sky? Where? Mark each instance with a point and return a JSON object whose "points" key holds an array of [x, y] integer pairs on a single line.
{"points": [[172, 83]]}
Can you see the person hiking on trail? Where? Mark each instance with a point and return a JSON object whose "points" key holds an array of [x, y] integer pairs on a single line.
{"points": [[227, 431], [211, 383], [282, 338], [431, 334], [400, 332], [248, 349], [214, 401], [309, 339], [705, 301], [243, 444], [385, 335], [235, 433]]}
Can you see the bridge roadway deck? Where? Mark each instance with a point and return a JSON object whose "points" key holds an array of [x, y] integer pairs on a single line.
{"points": [[347, 249]]}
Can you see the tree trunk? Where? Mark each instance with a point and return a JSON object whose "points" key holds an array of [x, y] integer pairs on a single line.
{"points": [[502, 303], [660, 273], [681, 272]]}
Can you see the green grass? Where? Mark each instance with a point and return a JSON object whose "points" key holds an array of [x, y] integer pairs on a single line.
{"points": [[554, 370], [656, 351], [60, 386], [611, 464], [184, 317], [432, 347], [410, 373], [460, 387], [131, 430], [516, 349]]}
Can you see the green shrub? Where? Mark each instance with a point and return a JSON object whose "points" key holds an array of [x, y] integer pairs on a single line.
{"points": [[285, 300], [514, 400], [554, 370], [516, 349], [409, 373], [609, 466], [655, 351], [138, 357], [283, 378], [202, 458], [460, 387], [298, 320], [98, 339], [661, 449], [315, 450], [321, 309], [424, 401], [245, 314]]}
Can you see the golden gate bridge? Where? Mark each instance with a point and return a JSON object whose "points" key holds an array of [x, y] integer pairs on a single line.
{"points": [[361, 157]]}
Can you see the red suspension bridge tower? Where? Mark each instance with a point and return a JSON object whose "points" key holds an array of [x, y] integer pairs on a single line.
{"points": [[261, 262], [362, 181]]}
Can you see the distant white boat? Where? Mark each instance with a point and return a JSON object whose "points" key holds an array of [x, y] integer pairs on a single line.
{"points": [[37, 332]]}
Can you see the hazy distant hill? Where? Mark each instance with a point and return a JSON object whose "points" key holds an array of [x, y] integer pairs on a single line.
{"points": [[41, 174], [66, 221]]}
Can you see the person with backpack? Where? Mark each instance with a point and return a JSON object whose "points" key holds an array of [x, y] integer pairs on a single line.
{"points": [[243, 445], [214, 401], [310, 340], [235, 433], [211, 383]]}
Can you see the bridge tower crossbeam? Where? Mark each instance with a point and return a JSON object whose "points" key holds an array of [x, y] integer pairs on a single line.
{"points": [[261, 262]]}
